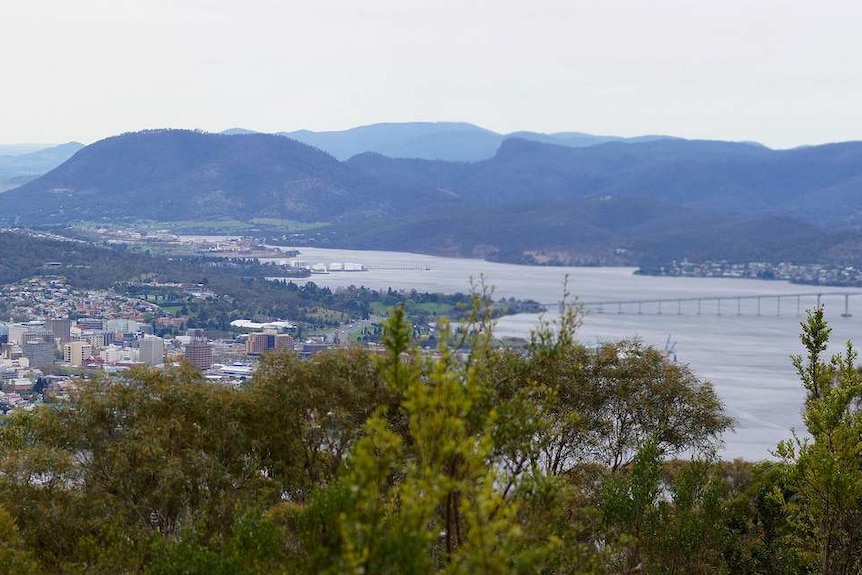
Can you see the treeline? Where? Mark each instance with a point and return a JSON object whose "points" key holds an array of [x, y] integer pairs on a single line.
{"points": [[557, 460]]}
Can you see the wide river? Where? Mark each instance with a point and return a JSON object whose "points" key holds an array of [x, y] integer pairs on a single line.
{"points": [[744, 355]]}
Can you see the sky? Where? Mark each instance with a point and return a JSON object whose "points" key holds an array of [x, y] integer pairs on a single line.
{"points": [[784, 73]]}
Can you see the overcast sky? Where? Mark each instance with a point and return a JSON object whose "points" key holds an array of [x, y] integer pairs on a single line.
{"points": [[781, 72]]}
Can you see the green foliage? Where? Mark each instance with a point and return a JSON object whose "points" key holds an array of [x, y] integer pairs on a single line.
{"points": [[758, 526], [566, 404], [469, 459], [826, 471], [308, 415], [426, 501], [15, 558], [254, 547]]}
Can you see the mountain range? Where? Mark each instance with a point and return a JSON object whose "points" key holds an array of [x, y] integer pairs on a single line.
{"points": [[450, 141], [531, 201], [22, 163]]}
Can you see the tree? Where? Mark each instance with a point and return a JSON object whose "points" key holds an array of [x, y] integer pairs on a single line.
{"points": [[309, 414], [825, 471], [468, 459], [564, 405], [664, 518], [15, 558], [418, 495]]}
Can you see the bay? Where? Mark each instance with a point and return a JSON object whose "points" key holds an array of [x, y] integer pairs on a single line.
{"points": [[746, 356]]}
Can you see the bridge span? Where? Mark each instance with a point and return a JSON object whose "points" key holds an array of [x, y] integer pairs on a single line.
{"points": [[748, 304]]}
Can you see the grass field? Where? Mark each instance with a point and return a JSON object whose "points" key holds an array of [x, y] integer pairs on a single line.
{"points": [[412, 308]]}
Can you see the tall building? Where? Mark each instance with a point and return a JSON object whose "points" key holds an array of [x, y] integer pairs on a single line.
{"points": [[152, 350], [61, 328], [38, 346], [284, 341], [261, 342], [198, 351], [258, 343], [95, 338], [16, 333], [76, 352]]}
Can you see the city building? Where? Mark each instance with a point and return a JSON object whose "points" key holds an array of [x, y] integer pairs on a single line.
{"points": [[17, 331], [114, 354], [258, 343], [38, 346], [152, 350], [122, 325], [61, 328], [284, 341], [269, 340], [91, 324], [198, 351], [96, 339], [310, 349], [75, 353]]}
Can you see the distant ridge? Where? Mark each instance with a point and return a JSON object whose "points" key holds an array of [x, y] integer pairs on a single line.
{"points": [[612, 202], [448, 141], [29, 165], [451, 141], [20, 149]]}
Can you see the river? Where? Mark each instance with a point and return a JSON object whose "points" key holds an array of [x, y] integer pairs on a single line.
{"points": [[746, 357]]}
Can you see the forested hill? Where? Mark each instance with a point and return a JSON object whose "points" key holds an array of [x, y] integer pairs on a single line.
{"points": [[822, 182], [178, 174], [766, 202]]}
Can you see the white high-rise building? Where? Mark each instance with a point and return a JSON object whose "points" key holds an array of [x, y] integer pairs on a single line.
{"points": [[116, 354], [152, 350]]}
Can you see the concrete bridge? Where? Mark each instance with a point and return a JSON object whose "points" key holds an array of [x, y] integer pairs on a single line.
{"points": [[760, 304]]}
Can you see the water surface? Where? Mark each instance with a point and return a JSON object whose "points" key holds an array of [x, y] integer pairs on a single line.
{"points": [[745, 356]]}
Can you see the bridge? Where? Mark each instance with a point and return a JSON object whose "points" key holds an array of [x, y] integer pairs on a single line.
{"points": [[760, 304]]}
